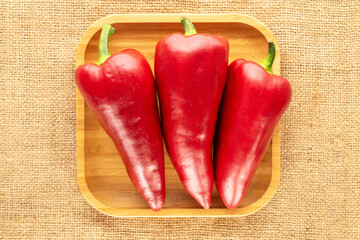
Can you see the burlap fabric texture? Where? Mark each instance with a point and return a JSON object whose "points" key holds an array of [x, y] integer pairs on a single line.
{"points": [[318, 196]]}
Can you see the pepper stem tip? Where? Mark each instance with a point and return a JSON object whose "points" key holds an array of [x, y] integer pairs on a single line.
{"points": [[269, 60], [189, 27], [106, 31]]}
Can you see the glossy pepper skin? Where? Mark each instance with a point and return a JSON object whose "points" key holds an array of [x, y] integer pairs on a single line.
{"points": [[253, 102], [122, 96], [190, 74]]}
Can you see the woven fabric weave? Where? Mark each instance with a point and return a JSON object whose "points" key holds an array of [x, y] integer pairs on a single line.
{"points": [[318, 196]]}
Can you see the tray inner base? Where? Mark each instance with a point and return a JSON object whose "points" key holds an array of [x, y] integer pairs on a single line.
{"points": [[104, 171]]}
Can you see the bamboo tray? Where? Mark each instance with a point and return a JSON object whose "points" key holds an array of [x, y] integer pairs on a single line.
{"points": [[101, 174]]}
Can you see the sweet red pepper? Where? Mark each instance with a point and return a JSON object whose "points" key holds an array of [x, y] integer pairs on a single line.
{"points": [[253, 102], [121, 93], [190, 74]]}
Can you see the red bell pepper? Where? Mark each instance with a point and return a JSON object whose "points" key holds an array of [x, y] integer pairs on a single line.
{"points": [[253, 102], [121, 93], [190, 74]]}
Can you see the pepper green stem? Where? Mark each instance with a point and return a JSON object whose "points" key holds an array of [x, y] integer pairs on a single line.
{"points": [[189, 28], [269, 60], [106, 32]]}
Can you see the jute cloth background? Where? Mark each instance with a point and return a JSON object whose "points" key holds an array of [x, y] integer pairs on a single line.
{"points": [[318, 196]]}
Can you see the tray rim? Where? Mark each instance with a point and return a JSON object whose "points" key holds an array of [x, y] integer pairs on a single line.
{"points": [[80, 115]]}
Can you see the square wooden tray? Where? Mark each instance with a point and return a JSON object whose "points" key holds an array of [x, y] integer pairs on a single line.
{"points": [[101, 174]]}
